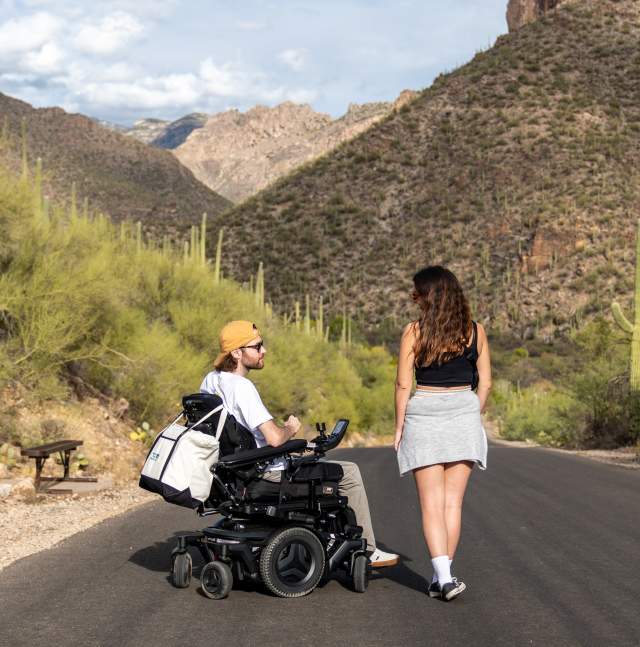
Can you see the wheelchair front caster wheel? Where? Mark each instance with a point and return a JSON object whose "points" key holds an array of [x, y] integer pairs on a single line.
{"points": [[360, 573], [216, 580], [181, 570]]}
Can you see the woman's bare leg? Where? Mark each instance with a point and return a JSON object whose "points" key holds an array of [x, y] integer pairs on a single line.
{"points": [[430, 483], [456, 477]]}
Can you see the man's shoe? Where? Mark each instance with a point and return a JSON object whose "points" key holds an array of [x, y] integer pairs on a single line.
{"points": [[434, 590], [380, 558], [452, 590]]}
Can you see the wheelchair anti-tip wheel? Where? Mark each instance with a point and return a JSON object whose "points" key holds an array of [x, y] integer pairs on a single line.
{"points": [[360, 573], [292, 563], [216, 580], [181, 566]]}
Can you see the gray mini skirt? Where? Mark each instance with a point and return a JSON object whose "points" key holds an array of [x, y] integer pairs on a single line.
{"points": [[442, 427]]}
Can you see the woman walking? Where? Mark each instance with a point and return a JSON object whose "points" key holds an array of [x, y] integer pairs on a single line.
{"points": [[439, 434]]}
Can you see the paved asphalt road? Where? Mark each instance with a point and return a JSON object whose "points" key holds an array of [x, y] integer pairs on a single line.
{"points": [[550, 553]]}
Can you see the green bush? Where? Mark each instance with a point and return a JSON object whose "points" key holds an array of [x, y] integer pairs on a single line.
{"points": [[580, 399], [541, 413]]}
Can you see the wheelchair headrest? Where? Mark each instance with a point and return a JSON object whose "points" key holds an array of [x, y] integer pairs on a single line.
{"points": [[197, 405]]}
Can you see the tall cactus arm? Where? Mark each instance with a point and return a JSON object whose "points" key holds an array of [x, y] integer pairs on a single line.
{"points": [[621, 320]]}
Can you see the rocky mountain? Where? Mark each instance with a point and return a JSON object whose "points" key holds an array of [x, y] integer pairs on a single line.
{"points": [[167, 134], [119, 175], [520, 170], [521, 12], [146, 130], [236, 154]]}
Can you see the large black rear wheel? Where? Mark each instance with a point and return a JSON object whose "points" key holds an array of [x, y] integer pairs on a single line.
{"points": [[292, 563]]}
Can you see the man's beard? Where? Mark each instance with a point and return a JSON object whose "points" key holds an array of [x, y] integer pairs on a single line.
{"points": [[255, 365]]}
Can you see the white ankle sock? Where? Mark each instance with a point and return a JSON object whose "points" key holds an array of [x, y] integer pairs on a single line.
{"points": [[442, 568], [434, 577]]}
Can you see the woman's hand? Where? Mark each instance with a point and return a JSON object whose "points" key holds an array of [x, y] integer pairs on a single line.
{"points": [[397, 439]]}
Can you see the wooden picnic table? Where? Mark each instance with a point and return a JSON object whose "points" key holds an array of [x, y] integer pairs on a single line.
{"points": [[42, 452]]}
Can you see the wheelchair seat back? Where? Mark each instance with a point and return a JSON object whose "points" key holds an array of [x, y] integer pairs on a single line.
{"points": [[235, 437]]}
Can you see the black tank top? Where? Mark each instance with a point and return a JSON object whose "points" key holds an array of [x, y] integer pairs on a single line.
{"points": [[459, 371]]}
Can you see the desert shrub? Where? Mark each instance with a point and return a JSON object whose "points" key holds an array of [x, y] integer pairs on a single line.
{"points": [[581, 399], [81, 302], [541, 413]]}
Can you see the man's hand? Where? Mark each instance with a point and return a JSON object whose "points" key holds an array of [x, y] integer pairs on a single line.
{"points": [[292, 426], [276, 435]]}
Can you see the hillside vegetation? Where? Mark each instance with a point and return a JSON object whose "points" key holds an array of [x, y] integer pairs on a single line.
{"points": [[519, 171], [87, 307], [117, 174]]}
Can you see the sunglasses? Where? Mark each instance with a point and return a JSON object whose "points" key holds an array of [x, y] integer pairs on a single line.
{"points": [[259, 346]]}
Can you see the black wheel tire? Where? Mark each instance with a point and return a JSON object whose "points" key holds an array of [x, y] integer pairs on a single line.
{"points": [[181, 566], [216, 580], [360, 573], [292, 563]]}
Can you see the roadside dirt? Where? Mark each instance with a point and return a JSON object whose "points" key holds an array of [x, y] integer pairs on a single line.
{"points": [[627, 457], [27, 527]]}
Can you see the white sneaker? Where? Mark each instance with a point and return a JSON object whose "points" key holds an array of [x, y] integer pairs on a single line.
{"points": [[380, 558]]}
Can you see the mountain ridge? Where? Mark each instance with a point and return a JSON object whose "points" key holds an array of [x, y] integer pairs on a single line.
{"points": [[239, 153], [115, 173]]}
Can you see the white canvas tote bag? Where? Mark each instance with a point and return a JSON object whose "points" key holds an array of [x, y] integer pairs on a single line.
{"points": [[178, 466]]}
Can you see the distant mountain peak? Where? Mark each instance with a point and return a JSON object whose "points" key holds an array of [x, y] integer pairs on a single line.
{"points": [[238, 153]]}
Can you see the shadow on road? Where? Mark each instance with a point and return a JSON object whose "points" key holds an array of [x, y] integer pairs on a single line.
{"points": [[157, 557], [401, 574]]}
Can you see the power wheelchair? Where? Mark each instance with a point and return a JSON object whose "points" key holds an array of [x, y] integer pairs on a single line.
{"points": [[287, 535]]}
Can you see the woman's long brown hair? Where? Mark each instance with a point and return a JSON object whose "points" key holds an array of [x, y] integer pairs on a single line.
{"points": [[445, 316]]}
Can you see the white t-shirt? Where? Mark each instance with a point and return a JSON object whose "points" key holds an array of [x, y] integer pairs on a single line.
{"points": [[242, 400]]}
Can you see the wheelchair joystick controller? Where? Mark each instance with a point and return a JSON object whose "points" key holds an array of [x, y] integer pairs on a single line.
{"points": [[321, 428]]}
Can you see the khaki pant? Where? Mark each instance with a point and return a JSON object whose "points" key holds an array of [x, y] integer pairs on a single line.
{"points": [[352, 487]]}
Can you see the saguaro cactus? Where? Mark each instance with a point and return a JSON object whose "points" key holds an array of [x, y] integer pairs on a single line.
{"points": [[216, 271], [259, 292], [628, 327]]}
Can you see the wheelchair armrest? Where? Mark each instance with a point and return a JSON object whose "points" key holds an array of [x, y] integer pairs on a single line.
{"points": [[251, 456]]}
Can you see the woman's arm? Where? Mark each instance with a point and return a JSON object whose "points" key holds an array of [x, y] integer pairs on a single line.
{"points": [[404, 378], [484, 367]]}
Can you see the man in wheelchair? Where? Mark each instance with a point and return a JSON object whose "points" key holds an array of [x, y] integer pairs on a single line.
{"points": [[243, 350]]}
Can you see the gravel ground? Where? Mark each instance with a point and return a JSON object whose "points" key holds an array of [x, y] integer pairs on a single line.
{"points": [[29, 527]]}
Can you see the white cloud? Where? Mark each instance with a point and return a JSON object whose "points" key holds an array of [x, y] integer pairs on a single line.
{"points": [[114, 32], [17, 78], [119, 72], [20, 35], [224, 80], [293, 58], [46, 60], [149, 93], [142, 8]]}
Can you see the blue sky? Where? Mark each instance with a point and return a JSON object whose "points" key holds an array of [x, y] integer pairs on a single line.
{"points": [[128, 59]]}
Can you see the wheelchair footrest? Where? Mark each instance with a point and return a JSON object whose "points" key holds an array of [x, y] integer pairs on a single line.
{"points": [[237, 535]]}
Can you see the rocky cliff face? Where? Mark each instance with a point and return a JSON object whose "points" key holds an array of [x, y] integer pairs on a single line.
{"points": [[237, 154], [521, 12], [161, 133], [176, 132], [146, 130]]}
